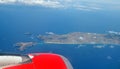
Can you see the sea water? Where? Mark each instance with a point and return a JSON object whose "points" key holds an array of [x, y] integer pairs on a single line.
{"points": [[17, 20]]}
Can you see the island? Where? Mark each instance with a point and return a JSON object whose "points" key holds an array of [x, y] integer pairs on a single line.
{"points": [[74, 38], [81, 38], [23, 45]]}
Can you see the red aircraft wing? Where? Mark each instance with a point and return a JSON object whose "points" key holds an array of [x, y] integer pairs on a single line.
{"points": [[44, 61]]}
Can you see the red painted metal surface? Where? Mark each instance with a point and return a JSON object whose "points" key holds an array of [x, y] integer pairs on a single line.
{"points": [[43, 61]]}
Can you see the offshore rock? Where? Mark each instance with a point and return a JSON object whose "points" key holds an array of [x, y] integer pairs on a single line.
{"points": [[23, 45]]}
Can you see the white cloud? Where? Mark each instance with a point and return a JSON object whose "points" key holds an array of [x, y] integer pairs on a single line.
{"points": [[46, 3], [103, 4], [85, 5], [7, 1], [87, 8]]}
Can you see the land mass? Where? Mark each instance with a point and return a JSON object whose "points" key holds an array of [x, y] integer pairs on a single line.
{"points": [[82, 38], [74, 38]]}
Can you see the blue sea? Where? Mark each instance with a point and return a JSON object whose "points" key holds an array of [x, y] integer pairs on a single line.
{"points": [[17, 20]]}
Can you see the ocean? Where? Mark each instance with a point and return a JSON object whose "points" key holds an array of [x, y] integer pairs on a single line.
{"points": [[17, 20]]}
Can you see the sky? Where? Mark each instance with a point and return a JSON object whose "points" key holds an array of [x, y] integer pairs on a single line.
{"points": [[86, 5]]}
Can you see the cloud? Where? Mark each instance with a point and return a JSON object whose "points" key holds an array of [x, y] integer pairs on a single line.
{"points": [[84, 5], [46, 3], [102, 4], [51, 3], [87, 8], [7, 1]]}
